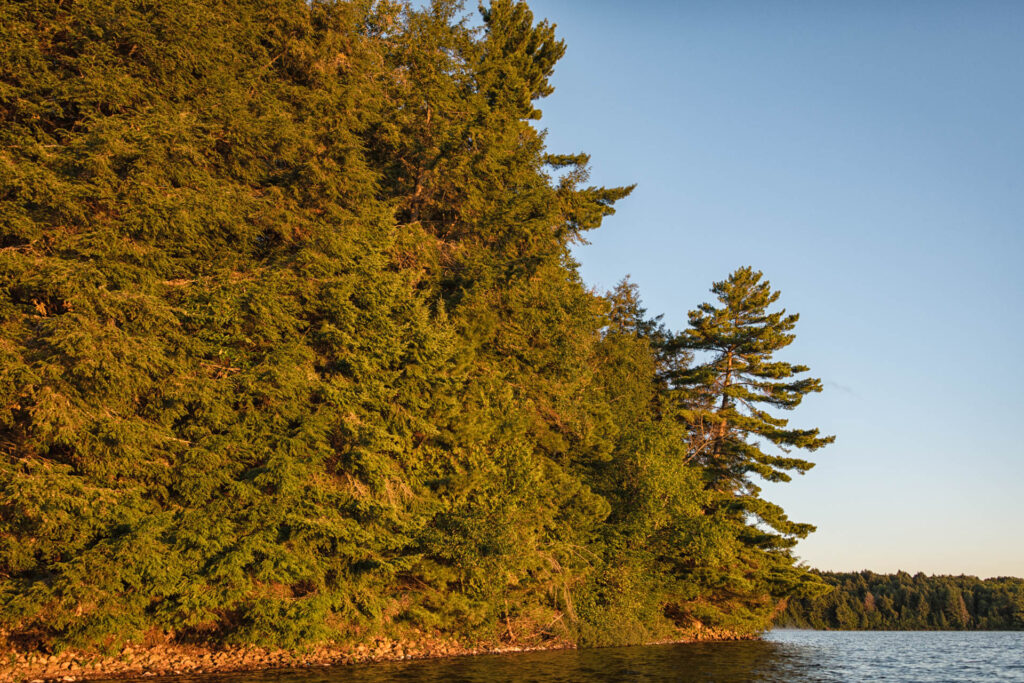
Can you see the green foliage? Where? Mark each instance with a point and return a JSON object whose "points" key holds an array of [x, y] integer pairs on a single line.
{"points": [[725, 398], [901, 602], [721, 385], [293, 347]]}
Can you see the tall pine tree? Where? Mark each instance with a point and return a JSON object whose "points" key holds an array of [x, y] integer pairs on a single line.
{"points": [[724, 399], [727, 396]]}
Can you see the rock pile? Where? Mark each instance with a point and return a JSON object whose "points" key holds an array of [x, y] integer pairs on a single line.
{"points": [[163, 660]]}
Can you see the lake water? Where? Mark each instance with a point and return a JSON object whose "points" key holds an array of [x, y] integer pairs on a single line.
{"points": [[783, 655]]}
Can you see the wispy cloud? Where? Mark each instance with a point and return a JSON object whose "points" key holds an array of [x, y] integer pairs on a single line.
{"points": [[842, 387]]}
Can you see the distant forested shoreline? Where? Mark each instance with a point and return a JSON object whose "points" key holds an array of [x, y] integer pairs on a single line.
{"points": [[888, 602]]}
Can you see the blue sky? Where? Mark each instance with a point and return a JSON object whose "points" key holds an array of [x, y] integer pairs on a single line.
{"points": [[869, 158]]}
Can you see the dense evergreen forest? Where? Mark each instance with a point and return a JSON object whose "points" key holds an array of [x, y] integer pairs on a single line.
{"points": [[293, 347], [890, 602]]}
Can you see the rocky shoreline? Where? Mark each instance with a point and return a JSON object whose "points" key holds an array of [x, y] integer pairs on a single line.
{"points": [[133, 662]]}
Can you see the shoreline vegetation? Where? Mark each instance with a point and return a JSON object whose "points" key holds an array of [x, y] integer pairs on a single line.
{"points": [[294, 351], [296, 364]]}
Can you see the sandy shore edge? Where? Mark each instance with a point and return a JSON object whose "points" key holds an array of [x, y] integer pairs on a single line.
{"points": [[136, 661]]}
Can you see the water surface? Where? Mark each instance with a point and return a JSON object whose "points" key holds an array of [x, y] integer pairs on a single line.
{"points": [[783, 655]]}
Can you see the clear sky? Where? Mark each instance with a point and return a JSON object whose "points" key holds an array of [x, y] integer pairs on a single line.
{"points": [[869, 158]]}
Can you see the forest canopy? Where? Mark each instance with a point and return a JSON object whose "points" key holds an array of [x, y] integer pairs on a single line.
{"points": [[901, 602], [293, 347]]}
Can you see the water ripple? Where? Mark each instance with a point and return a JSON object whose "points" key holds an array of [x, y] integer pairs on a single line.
{"points": [[783, 656]]}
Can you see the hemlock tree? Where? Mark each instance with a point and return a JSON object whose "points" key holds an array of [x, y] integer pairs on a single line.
{"points": [[292, 345]]}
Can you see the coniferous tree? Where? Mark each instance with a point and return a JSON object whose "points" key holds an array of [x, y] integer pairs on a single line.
{"points": [[293, 346], [739, 549], [726, 395]]}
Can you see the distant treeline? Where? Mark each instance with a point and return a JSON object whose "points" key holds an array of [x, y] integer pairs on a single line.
{"points": [[893, 602]]}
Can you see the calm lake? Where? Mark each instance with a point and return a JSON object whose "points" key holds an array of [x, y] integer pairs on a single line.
{"points": [[784, 655]]}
